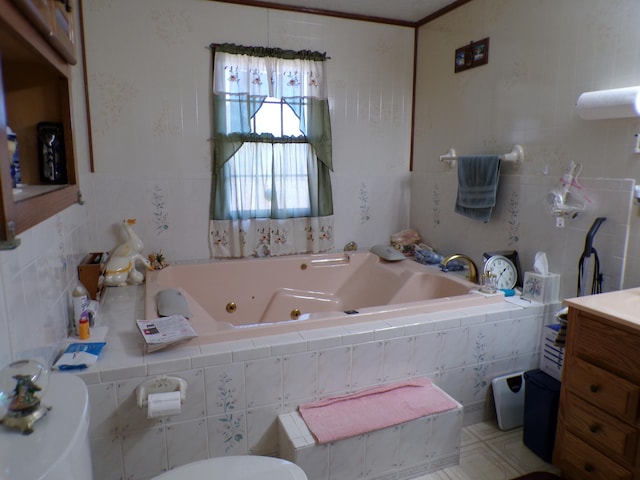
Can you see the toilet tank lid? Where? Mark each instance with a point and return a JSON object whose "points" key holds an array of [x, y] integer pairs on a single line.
{"points": [[55, 436]]}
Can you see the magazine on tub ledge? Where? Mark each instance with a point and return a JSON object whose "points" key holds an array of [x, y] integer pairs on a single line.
{"points": [[165, 331]]}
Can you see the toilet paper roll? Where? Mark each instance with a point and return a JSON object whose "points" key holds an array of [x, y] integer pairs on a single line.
{"points": [[163, 404], [614, 103]]}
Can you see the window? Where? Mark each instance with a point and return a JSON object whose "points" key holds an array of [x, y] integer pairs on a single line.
{"points": [[261, 175], [272, 149]]}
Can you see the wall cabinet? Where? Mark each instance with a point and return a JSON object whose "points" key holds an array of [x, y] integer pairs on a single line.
{"points": [[599, 417], [35, 90]]}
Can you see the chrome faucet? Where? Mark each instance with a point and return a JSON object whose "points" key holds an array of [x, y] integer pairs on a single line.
{"points": [[473, 271]]}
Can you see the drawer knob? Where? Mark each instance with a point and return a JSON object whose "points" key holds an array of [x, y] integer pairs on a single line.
{"points": [[594, 388], [593, 428]]}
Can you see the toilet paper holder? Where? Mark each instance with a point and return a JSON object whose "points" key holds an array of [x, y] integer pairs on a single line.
{"points": [[161, 384]]}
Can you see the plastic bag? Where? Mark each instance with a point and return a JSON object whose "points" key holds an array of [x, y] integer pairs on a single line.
{"points": [[405, 241]]}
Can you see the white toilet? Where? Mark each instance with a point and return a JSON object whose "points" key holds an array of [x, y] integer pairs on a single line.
{"points": [[239, 467], [58, 448]]}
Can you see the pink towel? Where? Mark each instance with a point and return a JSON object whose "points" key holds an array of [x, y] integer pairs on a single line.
{"points": [[341, 417]]}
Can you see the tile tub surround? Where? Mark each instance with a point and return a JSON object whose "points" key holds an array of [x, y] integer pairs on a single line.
{"points": [[237, 389]]}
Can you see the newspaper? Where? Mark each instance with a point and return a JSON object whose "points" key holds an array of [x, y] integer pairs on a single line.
{"points": [[164, 331]]}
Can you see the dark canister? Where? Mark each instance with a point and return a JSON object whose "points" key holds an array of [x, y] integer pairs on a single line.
{"points": [[51, 153]]}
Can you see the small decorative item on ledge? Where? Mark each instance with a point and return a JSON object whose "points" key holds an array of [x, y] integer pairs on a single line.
{"points": [[158, 261], [472, 55]]}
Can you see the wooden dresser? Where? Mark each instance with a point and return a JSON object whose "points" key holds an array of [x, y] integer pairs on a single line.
{"points": [[599, 417]]}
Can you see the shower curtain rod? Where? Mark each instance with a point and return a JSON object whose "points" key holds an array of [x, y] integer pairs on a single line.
{"points": [[515, 155]]}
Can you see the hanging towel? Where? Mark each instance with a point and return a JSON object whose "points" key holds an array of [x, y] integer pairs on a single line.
{"points": [[477, 186], [335, 418]]}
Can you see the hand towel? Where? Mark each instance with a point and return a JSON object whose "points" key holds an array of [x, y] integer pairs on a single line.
{"points": [[477, 186], [341, 417]]}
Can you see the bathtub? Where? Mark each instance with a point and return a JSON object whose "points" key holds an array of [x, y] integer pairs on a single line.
{"points": [[235, 299]]}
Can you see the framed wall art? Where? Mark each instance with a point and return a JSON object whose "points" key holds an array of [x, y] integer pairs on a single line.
{"points": [[472, 55]]}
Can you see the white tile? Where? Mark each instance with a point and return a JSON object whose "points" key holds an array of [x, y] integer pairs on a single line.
{"points": [[262, 431], [510, 447], [397, 356], [194, 405], [346, 458], [445, 434], [164, 365], [414, 442], [454, 346], [478, 462], [381, 451], [427, 350], [314, 461], [300, 376], [254, 353], [104, 407], [366, 366], [225, 388], [263, 382], [142, 447], [106, 457], [130, 416], [227, 434], [186, 442], [334, 372]]}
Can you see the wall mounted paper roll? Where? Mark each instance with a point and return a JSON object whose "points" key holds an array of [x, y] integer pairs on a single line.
{"points": [[614, 103], [163, 404]]}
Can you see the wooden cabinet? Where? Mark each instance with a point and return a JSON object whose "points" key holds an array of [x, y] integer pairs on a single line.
{"points": [[599, 417], [54, 19], [35, 87]]}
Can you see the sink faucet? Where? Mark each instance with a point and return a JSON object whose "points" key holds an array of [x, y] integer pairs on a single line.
{"points": [[473, 271]]}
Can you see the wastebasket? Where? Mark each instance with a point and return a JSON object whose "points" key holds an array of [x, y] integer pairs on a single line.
{"points": [[541, 399]]}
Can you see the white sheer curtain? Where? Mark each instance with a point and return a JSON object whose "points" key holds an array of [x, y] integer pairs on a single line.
{"points": [[271, 190]]}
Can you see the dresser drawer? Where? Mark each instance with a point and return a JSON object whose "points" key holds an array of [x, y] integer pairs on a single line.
{"points": [[600, 430], [580, 461], [603, 389], [606, 346]]}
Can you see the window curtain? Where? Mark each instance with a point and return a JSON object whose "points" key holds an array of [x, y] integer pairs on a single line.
{"points": [[243, 160]]}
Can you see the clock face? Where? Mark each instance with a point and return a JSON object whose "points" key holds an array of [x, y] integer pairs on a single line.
{"points": [[502, 270]]}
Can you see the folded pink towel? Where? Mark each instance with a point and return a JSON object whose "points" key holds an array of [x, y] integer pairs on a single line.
{"points": [[341, 417]]}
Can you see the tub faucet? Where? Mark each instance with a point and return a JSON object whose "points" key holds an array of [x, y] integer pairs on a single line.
{"points": [[473, 271]]}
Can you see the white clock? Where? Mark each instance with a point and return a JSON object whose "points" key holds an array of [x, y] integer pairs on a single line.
{"points": [[503, 270]]}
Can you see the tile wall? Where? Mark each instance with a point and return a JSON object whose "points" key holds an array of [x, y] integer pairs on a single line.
{"points": [[149, 100], [542, 56], [237, 389]]}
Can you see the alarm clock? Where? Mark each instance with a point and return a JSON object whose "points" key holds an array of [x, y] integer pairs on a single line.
{"points": [[504, 266]]}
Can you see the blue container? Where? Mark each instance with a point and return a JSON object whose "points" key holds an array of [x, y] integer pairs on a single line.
{"points": [[541, 400]]}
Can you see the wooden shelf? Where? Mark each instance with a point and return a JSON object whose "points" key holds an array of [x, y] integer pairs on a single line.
{"points": [[35, 84]]}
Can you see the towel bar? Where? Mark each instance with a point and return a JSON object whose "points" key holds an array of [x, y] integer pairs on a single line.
{"points": [[515, 155]]}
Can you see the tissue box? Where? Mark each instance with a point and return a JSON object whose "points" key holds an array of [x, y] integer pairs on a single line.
{"points": [[552, 356], [541, 288]]}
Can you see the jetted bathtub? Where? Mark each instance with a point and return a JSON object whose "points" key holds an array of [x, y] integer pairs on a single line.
{"points": [[234, 299]]}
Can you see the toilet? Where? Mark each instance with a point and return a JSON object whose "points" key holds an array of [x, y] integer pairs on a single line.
{"points": [[238, 467], [58, 448]]}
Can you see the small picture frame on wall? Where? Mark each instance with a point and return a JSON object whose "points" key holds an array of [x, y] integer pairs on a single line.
{"points": [[480, 52], [472, 55], [463, 58]]}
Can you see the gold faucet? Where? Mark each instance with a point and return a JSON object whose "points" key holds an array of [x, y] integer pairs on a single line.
{"points": [[473, 271]]}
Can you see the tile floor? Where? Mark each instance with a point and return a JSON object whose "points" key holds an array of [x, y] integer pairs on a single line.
{"points": [[488, 453]]}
